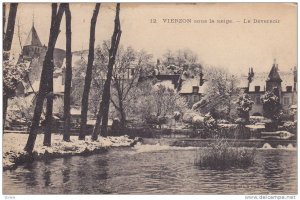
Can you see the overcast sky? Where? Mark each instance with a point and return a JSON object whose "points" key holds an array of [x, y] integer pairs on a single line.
{"points": [[236, 46]]}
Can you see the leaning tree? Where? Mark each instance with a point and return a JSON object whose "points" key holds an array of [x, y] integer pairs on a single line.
{"points": [[102, 115], [88, 76], [45, 78]]}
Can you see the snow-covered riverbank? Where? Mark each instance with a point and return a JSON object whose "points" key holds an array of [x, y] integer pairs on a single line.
{"points": [[14, 154]]}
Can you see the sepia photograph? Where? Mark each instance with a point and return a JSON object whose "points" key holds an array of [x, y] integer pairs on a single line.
{"points": [[149, 99]]}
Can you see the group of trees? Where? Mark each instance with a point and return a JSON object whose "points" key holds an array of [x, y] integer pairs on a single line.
{"points": [[156, 103], [222, 93], [110, 76], [13, 73], [225, 100]]}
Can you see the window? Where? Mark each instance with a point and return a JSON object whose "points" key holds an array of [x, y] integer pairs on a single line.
{"points": [[257, 88], [195, 89], [289, 88], [132, 72], [286, 100]]}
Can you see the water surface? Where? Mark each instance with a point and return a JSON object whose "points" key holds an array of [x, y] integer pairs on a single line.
{"points": [[153, 169]]}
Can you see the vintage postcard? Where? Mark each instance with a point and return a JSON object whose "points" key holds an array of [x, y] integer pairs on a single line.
{"points": [[150, 98]]}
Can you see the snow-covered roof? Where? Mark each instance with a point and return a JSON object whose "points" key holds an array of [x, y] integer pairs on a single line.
{"points": [[259, 79], [167, 84], [187, 86], [243, 83], [33, 38]]}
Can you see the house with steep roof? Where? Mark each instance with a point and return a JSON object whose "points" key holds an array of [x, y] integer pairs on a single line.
{"points": [[283, 84]]}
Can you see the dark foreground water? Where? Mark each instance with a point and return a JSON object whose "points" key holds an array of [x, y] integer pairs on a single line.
{"points": [[152, 169]]}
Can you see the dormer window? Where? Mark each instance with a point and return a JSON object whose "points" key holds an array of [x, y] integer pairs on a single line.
{"points": [[289, 88], [257, 88], [195, 89]]}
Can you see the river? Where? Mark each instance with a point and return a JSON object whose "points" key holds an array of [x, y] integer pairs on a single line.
{"points": [[153, 169]]}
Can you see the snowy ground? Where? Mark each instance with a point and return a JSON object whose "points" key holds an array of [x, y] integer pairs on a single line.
{"points": [[14, 143]]}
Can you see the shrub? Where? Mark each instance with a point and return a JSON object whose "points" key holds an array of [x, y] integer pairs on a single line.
{"points": [[20, 110], [156, 120], [290, 127], [222, 156], [244, 105]]}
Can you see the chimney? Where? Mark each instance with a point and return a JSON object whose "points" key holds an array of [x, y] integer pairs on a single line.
{"points": [[201, 79], [250, 75], [158, 62]]}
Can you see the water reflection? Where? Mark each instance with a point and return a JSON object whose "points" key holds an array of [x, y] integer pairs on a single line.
{"points": [[29, 176], [273, 172], [66, 169], [126, 171], [46, 174]]}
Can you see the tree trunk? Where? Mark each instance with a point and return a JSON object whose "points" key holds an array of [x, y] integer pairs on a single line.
{"points": [[88, 76], [43, 88], [49, 109], [5, 101], [4, 18], [68, 79], [9, 34], [122, 113], [98, 123], [49, 97], [7, 41], [104, 105]]}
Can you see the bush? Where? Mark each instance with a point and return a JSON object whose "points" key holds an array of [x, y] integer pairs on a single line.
{"points": [[290, 127], [156, 120], [222, 156], [20, 111]]}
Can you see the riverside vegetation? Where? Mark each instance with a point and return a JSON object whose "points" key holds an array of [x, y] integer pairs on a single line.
{"points": [[221, 156]]}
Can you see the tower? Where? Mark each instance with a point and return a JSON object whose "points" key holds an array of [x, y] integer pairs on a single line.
{"points": [[273, 82], [33, 46]]}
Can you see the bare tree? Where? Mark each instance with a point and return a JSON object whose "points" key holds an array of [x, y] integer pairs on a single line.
{"points": [[104, 105], [47, 69], [7, 41], [49, 96], [88, 76], [128, 65], [19, 35], [4, 17], [68, 80]]}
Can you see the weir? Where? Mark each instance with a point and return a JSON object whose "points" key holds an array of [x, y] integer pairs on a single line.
{"points": [[188, 142]]}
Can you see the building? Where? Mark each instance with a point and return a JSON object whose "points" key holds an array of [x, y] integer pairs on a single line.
{"points": [[190, 86], [283, 84], [33, 54]]}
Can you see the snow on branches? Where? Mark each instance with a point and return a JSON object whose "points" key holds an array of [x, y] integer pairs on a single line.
{"points": [[13, 74]]}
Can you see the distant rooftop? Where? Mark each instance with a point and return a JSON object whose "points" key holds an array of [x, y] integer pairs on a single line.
{"points": [[33, 38]]}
